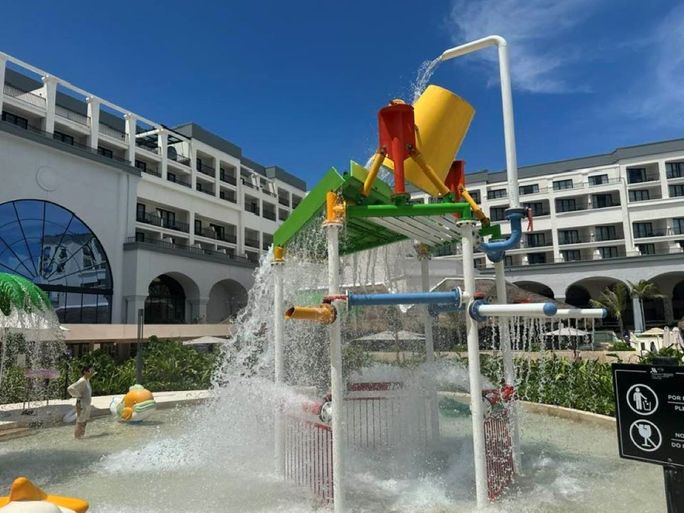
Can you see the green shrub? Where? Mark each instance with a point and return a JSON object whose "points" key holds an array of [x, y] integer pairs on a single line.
{"points": [[620, 346]]}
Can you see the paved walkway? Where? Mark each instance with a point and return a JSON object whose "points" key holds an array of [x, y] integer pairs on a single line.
{"points": [[11, 416]]}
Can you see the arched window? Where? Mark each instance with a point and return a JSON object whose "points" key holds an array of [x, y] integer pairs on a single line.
{"points": [[53, 248], [165, 303]]}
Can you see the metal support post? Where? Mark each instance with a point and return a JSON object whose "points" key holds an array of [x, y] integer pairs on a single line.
{"points": [[279, 356], [139, 348]]}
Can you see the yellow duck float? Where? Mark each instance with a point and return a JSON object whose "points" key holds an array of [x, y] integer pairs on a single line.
{"points": [[25, 497], [135, 406]]}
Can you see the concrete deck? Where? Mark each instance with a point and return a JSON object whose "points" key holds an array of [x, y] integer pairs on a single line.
{"points": [[51, 414]]}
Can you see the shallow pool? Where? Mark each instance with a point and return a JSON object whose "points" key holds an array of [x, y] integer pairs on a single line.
{"points": [[169, 464]]}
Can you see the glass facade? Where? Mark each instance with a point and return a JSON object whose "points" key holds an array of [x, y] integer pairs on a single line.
{"points": [[53, 248]]}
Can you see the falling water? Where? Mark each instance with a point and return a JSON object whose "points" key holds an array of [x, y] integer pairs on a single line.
{"points": [[425, 72]]}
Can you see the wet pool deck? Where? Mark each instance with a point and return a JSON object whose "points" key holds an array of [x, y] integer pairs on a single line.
{"points": [[13, 421]]}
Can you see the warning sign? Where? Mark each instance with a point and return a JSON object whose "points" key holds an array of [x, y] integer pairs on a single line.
{"points": [[650, 412]]}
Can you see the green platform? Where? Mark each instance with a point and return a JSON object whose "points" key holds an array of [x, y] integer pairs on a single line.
{"points": [[376, 221]]}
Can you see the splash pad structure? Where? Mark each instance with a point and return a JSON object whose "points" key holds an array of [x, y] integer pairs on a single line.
{"points": [[418, 144]]}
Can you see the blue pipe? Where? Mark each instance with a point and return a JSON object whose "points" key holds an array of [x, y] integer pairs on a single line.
{"points": [[496, 250], [409, 298]]}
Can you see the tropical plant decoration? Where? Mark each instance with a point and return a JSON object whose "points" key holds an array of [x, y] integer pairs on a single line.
{"points": [[21, 294], [614, 299], [642, 290]]}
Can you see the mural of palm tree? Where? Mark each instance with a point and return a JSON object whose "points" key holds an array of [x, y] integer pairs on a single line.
{"points": [[642, 290], [614, 299]]}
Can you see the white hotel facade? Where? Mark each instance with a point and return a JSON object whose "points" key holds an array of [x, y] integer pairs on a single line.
{"points": [[111, 212]]}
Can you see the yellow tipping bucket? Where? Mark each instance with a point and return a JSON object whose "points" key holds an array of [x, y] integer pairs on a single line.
{"points": [[442, 120]]}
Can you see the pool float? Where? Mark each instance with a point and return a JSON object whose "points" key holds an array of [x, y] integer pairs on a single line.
{"points": [[25, 497], [135, 406]]}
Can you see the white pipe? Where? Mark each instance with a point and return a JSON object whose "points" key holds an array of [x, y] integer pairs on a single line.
{"points": [[506, 103], [581, 313], [279, 362], [336, 381], [474, 373], [509, 369], [429, 345], [533, 309]]}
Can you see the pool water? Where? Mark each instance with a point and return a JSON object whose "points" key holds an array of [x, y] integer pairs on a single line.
{"points": [[168, 464]]}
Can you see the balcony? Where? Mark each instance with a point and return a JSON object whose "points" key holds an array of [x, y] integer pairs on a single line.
{"points": [[283, 201], [206, 170], [228, 196], [254, 243], [270, 215], [190, 251], [206, 232], [208, 192], [227, 237], [72, 116], [173, 178], [174, 156], [148, 218], [604, 182], [248, 183], [645, 234], [108, 131], [151, 171], [227, 178], [642, 175], [24, 96], [156, 220]]}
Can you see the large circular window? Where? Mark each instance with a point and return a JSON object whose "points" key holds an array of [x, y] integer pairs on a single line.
{"points": [[54, 249]]}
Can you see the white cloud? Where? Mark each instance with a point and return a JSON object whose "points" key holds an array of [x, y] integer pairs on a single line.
{"points": [[536, 31], [656, 91]]}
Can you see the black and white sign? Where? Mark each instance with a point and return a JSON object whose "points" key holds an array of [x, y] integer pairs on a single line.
{"points": [[650, 412]]}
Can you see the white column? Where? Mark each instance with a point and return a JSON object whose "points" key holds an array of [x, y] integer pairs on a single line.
{"points": [[639, 321], [193, 166], [662, 173], [94, 118], [163, 144], [191, 231], [3, 66], [336, 381], [474, 370], [509, 368], [279, 360], [131, 124], [49, 92]]}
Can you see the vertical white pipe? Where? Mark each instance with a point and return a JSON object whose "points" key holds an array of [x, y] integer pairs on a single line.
{"points": [[474, 373], [509, 125], [336, 381], [429, 345], [508, 366], [278, 318]]}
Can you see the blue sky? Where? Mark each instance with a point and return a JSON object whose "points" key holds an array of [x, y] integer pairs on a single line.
{"points": [[298, 83]]}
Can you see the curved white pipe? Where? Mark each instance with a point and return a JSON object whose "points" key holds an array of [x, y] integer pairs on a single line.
{"points": [[506, 103]]}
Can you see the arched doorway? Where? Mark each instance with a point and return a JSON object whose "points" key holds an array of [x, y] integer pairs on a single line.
{"points": [[536, 287], [578, 296], [226, 299], [165, 303], [678, 301], [52, 247]]}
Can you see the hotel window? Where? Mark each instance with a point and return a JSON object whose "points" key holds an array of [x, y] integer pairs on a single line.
{"points": [[598, 179], [675, 169], [139, 236], [636, 175], [676, 190], [475, 195], [566, 205], [508, 261], [140, 212], [609, 252], [606, 233], [105, 152], [602, 201], [496, 193], [14, 119], [559, 185], [639, 195], [141, 165], [536, 258], [198, 226], [529, 189], [171, 177], [536, 240], [497, 213], [646, 249], [168, 217], [537, 208], [295, 201], [571, 255], [65, 138], [643, 230], [568, 237], [678, 226]]}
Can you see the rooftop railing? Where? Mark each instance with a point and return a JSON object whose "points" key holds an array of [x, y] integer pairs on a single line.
{"points": [[189, 250], [24, 96], [72, 116]]}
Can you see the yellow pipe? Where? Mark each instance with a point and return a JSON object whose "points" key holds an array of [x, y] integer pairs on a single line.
{"points": [[474, 206], [429, 172], [325, 313], [279, 254], [373, 171]]}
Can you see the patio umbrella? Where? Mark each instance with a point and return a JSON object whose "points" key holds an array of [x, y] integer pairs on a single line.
{"points": [[653, 332], [567, 332], [207, 340]]}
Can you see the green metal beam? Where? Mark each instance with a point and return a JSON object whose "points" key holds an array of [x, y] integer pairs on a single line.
{"points": [[430, 209]]}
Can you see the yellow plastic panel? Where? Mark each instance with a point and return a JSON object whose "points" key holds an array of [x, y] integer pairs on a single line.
{"points": [[442, 120]]}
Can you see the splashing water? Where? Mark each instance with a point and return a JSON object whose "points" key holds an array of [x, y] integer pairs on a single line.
{"points": [[425, 72]]}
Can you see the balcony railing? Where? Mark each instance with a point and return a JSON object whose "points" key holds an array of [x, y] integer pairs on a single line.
{"points": [[206, 232], [571, 240], [227, 237], [148, 218], [207, 191], [190, 250], [180, 181], [147, 146], [650, 233], [266, 244], [608, 237], [608, 181], [270, 215], [284, 201], [112, 132], [228, 197], [610, 204], [71, 115], [151, 171], [24, 96], [648, 177], [180, 159], [254, 243], [227, 178], [206, 170], [247, 183]]}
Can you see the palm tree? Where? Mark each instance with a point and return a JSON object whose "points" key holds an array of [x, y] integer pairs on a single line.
{"points": [[614, 299], [641, 290]]}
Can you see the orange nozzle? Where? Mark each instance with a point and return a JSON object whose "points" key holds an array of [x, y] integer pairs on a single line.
{"points": [[335, 208], [279, 254], [325, 314]]}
